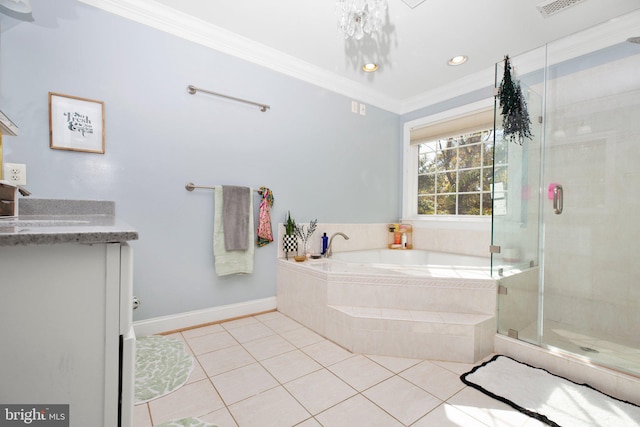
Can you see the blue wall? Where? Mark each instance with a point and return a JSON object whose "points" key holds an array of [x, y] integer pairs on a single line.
{"points": [[320, 160]]}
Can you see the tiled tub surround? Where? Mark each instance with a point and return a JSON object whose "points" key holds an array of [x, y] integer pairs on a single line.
{"points": [[411, 311], [466, 238]]}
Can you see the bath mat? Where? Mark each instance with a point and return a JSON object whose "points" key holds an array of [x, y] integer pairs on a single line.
{"points": [[186, 422], [162, 366], [549, 398]]}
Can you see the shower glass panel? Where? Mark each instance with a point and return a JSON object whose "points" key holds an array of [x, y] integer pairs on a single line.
{"points": [[516, 222], [571, 278]]}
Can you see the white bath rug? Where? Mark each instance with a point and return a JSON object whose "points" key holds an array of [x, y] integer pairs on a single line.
{"points": [[162, 366], [549, 398], [187, 422]]}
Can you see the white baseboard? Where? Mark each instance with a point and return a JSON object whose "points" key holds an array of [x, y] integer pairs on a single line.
{"points": [[200, 317]]}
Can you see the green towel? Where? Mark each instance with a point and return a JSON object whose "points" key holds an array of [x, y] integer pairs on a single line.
{"points": [[230, 262]]}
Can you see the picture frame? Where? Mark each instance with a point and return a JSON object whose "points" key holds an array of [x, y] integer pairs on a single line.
{"points": [[76, 124]]}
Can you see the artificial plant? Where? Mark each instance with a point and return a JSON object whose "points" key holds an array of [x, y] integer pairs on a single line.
{"points": [[289, 225], [513, 107], [289, 240]]}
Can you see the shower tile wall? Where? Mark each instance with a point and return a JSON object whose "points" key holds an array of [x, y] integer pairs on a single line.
{"points": [[593, 133]]}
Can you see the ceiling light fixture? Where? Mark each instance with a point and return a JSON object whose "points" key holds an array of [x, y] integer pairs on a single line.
{"points": [[19, 6], [17, 9], [357, 17], [458, 60], [369, 68]]}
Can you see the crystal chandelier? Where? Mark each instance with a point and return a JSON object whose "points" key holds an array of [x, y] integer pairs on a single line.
{"points": [[357, 17], [19, 6]]}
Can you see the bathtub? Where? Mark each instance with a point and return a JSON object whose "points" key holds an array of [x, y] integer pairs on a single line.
{"points": [[412, 257], [403, 263], [404, 303]]}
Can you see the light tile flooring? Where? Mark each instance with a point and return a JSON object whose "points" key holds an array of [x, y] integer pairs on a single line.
{"points": [[268, 370]]}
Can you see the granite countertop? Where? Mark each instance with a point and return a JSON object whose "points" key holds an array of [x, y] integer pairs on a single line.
{"points": [[49, 221]]}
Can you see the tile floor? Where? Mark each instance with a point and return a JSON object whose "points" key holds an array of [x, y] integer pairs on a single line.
{"points": [[268, 370]]}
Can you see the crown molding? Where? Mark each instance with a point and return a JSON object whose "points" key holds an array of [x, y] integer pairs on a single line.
{"points": [[187, 27], [470, 83], [164, 18]]}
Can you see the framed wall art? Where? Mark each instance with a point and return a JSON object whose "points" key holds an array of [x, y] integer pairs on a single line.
{"points": [[76, 124]]}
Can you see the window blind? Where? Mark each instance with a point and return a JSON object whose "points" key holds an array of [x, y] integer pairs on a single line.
{"points": [[462, 125]]}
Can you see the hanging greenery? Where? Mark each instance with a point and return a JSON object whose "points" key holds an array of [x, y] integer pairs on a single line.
{"points": [[514, 108]]}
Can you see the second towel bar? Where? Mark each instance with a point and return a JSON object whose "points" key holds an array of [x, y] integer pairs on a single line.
{"points": [[192, 90]]}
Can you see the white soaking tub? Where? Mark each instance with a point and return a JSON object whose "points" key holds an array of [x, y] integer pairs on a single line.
{"points": [[406, 303]]}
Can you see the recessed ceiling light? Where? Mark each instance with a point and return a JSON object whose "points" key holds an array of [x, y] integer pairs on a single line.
{"points": [[369, 68], [458, 60]]}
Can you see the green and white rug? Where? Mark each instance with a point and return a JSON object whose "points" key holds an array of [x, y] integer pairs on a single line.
{"points": [[187, 422], [162, 366]]}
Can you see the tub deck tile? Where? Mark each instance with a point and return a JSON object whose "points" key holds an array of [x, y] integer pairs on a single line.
{"points": [[419, 334]]}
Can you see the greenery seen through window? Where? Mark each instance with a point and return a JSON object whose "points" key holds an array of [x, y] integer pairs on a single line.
{"points": [[455, 174]]}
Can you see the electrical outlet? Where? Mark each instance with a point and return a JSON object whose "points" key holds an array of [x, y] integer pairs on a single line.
{"points": [[363, 109], [15, 173]]}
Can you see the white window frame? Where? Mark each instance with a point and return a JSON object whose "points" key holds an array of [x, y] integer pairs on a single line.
{"points": [[410, 165]]}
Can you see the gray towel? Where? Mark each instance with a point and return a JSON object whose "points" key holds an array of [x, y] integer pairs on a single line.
{"points": [[235, 217]]}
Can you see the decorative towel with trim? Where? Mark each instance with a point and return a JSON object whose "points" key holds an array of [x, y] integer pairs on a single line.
{"points": [[230, 262], [265, 236]]}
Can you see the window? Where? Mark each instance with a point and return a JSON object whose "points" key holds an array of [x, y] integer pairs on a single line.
{"points": [[448, 162], [455, 175]]}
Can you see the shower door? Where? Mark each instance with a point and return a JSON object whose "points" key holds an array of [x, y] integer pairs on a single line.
{"points": [[591, 274]]}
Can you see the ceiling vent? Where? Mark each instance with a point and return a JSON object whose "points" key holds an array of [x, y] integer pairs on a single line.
{"points": [[551, 7], [413, 3]]}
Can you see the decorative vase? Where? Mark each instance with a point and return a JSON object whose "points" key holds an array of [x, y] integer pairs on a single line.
{"points": [[289, 244], [304, 248]]}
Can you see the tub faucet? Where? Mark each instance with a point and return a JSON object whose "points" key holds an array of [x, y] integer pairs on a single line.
{"points": [[327, 254]]}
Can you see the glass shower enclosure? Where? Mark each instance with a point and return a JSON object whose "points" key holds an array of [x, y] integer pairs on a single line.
{"points": [[566, 224]]}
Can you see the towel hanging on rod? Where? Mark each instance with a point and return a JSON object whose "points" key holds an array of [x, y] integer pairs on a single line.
{"points": [[192, 90], [265, 235]]}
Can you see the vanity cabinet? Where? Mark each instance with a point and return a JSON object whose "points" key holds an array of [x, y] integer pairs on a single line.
{"points": [[66, 333]]}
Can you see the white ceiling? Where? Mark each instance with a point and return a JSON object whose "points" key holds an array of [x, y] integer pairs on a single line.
{"points": [[300, 38]]}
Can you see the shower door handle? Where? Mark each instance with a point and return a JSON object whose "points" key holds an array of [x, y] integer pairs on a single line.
{"points": [[558, 199]]}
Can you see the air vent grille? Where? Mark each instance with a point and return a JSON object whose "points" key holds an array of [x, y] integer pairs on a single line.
{"points": [[552, 7], [413, 3]]}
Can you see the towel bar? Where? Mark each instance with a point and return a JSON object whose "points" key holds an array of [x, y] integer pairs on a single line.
{"points": [[190, 186], [192, 90]]}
